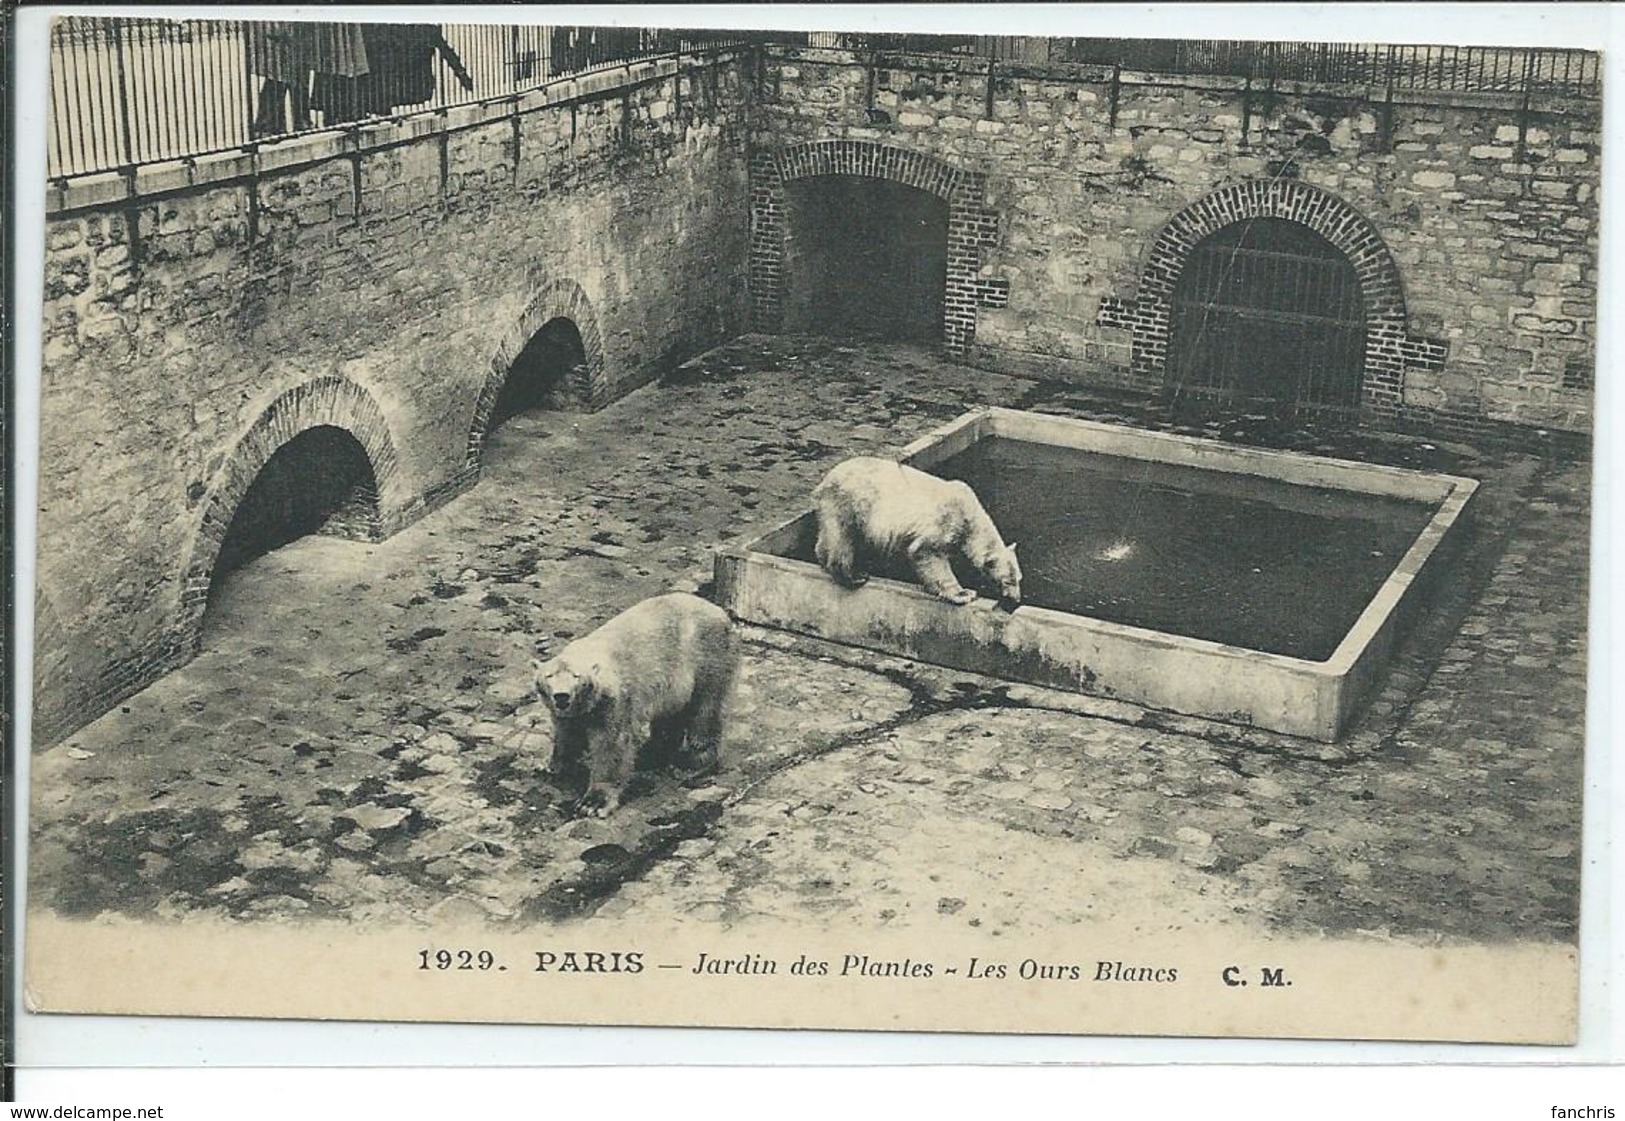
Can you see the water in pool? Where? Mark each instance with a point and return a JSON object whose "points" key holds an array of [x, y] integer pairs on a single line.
{"points": [[1232, 558]]}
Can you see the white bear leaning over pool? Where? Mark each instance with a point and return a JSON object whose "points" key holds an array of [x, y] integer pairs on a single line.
{"points": [[871, 508]]}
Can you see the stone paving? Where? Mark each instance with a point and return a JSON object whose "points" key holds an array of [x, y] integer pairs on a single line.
{"points": [[359, 738]]}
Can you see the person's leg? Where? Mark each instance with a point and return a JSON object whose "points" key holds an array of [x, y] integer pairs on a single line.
{"points": [[268, 115]]}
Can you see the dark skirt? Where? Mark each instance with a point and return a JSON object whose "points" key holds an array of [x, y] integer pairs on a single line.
{"points": [[401, 74], [289, 52]]}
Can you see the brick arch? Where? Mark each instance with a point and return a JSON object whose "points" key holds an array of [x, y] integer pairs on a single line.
{"points": [[971, 224], [325, 402], [1389, 347], [558, 299]]}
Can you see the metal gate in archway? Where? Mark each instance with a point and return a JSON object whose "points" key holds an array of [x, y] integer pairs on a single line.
{"points": [[1266, 311]]}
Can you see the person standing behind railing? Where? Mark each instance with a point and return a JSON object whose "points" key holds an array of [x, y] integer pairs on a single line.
{"points": [[411, 80], [401, 73], [286, 55]]}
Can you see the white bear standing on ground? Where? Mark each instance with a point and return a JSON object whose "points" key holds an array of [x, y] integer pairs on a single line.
{"points": [[662, 668], [876, 507]]}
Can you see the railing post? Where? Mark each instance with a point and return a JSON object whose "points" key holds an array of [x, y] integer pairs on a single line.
{"points": [[1247, 95], [1523, 108], [1387, 117], [518, 134], [445, 159], [1247, 111], [246, 44], [626, 112], [1117, 92], [127, 138]]}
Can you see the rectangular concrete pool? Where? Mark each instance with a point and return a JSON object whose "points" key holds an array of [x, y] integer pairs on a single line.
{"points": [[1257, 587]]}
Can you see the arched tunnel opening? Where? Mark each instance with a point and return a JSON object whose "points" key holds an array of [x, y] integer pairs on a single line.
{"points": [[321, 481], [545, 375], [865, 258]]}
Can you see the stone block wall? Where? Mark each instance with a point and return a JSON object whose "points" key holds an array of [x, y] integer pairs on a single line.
{"points": [[381, 280], [1471, 218]]}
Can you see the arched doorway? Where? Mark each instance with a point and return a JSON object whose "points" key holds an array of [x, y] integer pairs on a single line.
{"points": [[320, 481], [1267, 310], [864, 257], [545, 375], [1387, 345], [971, 225], [552, 357]]}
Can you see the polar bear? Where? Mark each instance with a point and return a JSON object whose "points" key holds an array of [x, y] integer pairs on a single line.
{"points": [[659, 670], [870, 508]]}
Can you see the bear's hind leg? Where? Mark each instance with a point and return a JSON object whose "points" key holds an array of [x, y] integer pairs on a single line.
{"points": [[713, 688], [665, 745], [705, 729], [837, 547], [937, 576]]}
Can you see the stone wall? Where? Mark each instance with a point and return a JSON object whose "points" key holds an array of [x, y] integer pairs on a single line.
{"points": [[1471, 219], [381, 281]]}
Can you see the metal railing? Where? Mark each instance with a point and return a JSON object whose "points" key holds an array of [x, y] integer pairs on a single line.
{"points": [[130, 91], [1454, 69]]}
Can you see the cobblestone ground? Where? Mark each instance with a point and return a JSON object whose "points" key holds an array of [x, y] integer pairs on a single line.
{"points": [[359, 738]]}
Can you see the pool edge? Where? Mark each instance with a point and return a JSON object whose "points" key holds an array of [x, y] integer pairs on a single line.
{"points": [[1198, 677]]}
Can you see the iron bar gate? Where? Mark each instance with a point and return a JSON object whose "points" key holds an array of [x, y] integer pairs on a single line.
{"points": [[1267, 311]]}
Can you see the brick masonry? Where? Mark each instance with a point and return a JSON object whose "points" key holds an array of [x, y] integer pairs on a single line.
{"points": [[380, 281], [1389, 347], [326, 401], [1470, 219], [971, 225], [589, 388]]}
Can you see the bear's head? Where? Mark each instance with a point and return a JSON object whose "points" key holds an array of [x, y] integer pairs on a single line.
{"points": [[567, 690], [1004, 570]]}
